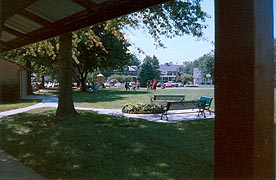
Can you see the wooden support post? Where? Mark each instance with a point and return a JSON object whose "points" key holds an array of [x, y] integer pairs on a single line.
{"points": [[244, 71]]}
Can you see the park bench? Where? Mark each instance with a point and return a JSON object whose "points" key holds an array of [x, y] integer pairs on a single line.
{"points": [[208, 101], [182, 105], [167, 97]]}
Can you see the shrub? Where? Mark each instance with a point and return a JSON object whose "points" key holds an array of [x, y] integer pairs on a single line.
{"points": [[141, 108]]}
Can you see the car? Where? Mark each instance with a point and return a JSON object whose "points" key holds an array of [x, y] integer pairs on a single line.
{"points": [[168, 84], [107, 84], [117, 84], [174, 84], [180, 84], [160, 84]]}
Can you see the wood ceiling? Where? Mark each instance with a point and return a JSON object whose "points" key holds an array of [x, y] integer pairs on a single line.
{"points": [[27, 21]]}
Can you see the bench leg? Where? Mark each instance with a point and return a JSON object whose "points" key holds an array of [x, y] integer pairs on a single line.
{"points": [[201, 111], [165, 114]]}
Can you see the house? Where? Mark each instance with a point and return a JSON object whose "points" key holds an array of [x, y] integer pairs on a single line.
{"points": [[13, 80], [168, 72], [198, 79], [131, 71]]}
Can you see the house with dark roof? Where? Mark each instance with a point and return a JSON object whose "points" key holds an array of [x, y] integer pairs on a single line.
{"points": [[168, 72], [131, 71], [13, 80]]}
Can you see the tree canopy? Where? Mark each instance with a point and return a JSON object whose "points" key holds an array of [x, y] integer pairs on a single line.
{"points": [[98, 47], [149, 70], [174, 18], [205, 63]]}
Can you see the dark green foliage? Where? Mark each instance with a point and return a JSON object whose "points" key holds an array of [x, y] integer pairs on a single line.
{"points": [[135, 61], [120, 78], [205, 63], [149, 70], [171, 19], [98, 46], [141, 108]]}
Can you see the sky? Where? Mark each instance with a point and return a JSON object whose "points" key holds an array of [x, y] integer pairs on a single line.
{"points": [[180, 49]]}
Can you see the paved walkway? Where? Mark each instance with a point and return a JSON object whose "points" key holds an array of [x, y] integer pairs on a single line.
{"points": [[12, 169]]}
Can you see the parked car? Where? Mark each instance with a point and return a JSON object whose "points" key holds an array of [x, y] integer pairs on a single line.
{"points": [[117, 84], [180, 84], [174, 84], [160, 84], [168, 84], [107, 84]]}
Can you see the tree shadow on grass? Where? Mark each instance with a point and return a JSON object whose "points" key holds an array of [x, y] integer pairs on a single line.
{"points": [[106, 147]]}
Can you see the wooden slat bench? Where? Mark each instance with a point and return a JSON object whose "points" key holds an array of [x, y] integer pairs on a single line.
{"points": [[182, 105], [167, 97]]}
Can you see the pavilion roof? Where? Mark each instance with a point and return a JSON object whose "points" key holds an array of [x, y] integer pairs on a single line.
{"points": [[25, 22]]}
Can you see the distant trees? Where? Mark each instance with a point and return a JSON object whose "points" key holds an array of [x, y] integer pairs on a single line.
{"points": [[149, 70], [120, 78], [205, 63], [135, 61]]}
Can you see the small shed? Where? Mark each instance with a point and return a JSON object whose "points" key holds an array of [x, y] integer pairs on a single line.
{"points": [[13, 80]]}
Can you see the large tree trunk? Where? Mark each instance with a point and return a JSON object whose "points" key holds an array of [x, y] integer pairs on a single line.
{"points": [[65, 102], [83, 87]]}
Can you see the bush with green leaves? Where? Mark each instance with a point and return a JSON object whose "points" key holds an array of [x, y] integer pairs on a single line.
{"points": [[120, 78], [142, 108]]}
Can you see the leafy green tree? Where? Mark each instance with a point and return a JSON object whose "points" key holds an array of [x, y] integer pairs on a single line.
{"points": [[185, 78], [174, 18], [120, 78], [149, 70], [40, 58], [186, 68], [156, 67], [98, 46], [135, 61], [205, 63]]}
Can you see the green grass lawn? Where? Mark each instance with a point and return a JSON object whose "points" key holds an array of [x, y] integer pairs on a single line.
{"points": [[117, 98], [93, 146], [16, 105]]}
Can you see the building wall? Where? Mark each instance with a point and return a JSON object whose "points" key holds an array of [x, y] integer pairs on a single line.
{"points": [[9, 81]]}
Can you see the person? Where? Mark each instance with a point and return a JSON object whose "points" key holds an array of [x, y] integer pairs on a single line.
{"points": [[95, 87], [137, 85], [127, 86], [148, 85], [154, 84]]}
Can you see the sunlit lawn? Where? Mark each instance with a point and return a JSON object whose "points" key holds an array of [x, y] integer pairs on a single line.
{"points": [[94, 146], [116, 98], [16, 105]]}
